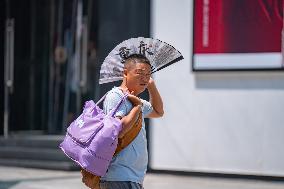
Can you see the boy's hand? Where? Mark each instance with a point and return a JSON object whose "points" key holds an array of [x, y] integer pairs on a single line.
{"points": [[134, 99], [151, 82]]}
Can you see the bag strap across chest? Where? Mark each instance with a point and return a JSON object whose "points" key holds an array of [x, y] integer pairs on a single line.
{"points": [[114, 110]]}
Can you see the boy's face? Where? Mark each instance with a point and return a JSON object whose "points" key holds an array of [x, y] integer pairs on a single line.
{"points": [[137, 77]]}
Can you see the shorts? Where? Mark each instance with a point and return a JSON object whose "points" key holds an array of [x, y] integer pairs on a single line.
{"points": [[120, 185]]}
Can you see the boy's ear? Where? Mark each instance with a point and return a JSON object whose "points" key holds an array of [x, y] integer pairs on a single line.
{"points": [[124, 72]]}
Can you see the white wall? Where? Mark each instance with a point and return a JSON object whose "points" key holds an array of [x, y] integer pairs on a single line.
{"points": [[224, 122]]}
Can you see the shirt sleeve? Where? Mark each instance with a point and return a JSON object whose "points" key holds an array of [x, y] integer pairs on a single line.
{"points": [[146, 108], [111, 100]]}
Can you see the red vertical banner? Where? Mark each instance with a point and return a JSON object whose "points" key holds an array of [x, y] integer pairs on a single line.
{"points": [[208, 26]]}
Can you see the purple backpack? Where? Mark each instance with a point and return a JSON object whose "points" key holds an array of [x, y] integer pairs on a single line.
{"points": [[92, 138]]}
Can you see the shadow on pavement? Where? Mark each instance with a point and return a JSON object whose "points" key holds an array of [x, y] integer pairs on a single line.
{"points": [[8, 184]]}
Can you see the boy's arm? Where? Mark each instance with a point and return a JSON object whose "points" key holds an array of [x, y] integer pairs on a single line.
{"points": [[131, 117], [155, 100]]}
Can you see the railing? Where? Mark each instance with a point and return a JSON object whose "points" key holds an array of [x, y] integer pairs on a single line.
{"points": [[9, 71]]}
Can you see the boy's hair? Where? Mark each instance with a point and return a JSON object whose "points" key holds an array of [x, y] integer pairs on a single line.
{"points": [[135, 58]]}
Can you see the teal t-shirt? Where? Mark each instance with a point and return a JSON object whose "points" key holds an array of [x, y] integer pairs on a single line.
{"points": [[131, 163]]}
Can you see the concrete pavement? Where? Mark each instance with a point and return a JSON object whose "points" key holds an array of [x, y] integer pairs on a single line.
{"points": [[25, 178]]}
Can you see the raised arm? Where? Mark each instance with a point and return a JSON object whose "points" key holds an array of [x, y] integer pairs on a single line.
{"points": [[155, 100]]}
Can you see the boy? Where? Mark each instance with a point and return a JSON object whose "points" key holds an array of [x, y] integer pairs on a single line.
{"points": [[128, 168]]}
